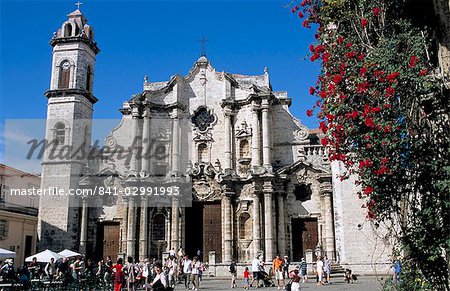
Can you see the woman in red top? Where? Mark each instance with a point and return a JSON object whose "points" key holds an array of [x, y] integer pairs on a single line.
{"points": [[119, 276]]}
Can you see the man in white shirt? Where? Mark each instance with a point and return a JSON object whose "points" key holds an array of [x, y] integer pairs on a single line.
{"points": [[256, 268], [187, 270]]}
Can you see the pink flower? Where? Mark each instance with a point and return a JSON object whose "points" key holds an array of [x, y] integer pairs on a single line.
{"points": [[412, 61]]}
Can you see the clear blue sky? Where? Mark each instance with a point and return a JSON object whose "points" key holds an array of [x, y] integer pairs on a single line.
{"points": [[154, 38]]}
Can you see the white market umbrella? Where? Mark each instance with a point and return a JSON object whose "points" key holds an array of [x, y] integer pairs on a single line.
{"points": [[69, 254], [5, 254], [44, 257]]}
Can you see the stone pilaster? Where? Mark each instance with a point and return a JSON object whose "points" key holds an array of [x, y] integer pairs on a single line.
{"points": [[227, 229], [124, 230], [175, 225], [256, 155], [175, 115], [131, 236], [146, 142], [269, 229], [143, 234], [327, 196], [256, 225], [281, 225], [84, 225], [227, 138], [266, 136], [135, 163]]}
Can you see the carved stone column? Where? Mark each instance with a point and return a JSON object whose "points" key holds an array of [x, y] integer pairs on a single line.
{"points": [[266, 138], [227, 225], [227, 162], [175, 225], [281, 225], [175, 115], [256, 155], [327, 196], [124, 230], [269, 231], [256, 225], [143, 245], [131, 241], [147, 145], [135, 163], [84, 225]]}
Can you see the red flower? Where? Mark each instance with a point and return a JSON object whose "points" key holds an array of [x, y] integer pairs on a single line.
{"points": [[391, 77], [412, 61], [364, 22], [348, 45], [423, 72], [384, 160], [351, 54], [300, 14], [369, 122], [323, 94], [311, 48], [389, 92], [337, 79], [354, 114], [376, 11], [326, 57], [363, 87], [361, 57], [340, 40], [305, 23], [309, 112], [324, 141], [376, 109], [368, 190], [295, 8], [312, 90], [362, 71], [323, 127]]}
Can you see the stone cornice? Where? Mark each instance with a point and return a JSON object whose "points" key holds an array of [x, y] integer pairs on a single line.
{"points": [[63, 40], [70, 92]]}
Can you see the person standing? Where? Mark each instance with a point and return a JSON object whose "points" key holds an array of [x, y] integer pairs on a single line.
{"points": [[246, 278], [233, 271], [196, 265], [319, 270], [304, 270], [130, 271], [255, 270], [327, 269], [397, 270], [119, 276], [286, 267], [50, 269], [146, 273], [277, 264], [187, 271], [295, 276]]}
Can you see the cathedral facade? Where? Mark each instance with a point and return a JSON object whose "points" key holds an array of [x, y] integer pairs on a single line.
{"points": [[259, 181]]}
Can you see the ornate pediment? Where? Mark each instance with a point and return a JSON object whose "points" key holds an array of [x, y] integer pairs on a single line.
{"points": [[243, 130]]}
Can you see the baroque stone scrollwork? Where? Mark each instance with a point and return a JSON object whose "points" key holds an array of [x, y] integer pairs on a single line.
{"points": [[302, 133]]}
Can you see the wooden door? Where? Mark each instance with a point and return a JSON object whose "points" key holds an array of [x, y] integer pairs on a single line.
{"points": [[304, 236], [212, 231], [111, 235]]}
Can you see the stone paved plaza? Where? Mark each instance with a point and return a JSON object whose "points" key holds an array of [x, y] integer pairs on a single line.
{"points": [[363, 284]]}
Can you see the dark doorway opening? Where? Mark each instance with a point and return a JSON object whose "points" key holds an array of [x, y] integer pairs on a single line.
{"points": [[304, 236], [28, 246], [203, 230]]}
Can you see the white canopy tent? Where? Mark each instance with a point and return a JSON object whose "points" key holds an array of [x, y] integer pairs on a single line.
{"points": [[69, 254], [5, 254], [44, 257]]}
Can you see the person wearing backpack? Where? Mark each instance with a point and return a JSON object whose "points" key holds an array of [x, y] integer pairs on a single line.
{"points": [[119, 276], [233, 271]]}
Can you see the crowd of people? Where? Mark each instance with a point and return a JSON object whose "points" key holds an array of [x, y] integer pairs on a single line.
{"points": [[151, 274], [285, 278]]}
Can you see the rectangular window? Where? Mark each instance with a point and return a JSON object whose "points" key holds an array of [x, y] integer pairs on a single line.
{"points": [[3, 229], [5, 190]]}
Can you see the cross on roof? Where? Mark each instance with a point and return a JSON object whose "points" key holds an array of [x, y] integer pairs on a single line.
{"points": [[203, 42], [78, 4]]}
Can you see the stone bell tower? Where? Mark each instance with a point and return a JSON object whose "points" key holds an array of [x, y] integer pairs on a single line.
{"points": [[68, 133]]}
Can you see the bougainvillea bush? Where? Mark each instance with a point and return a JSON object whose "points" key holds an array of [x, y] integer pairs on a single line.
{"points": [[383, 107]]}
